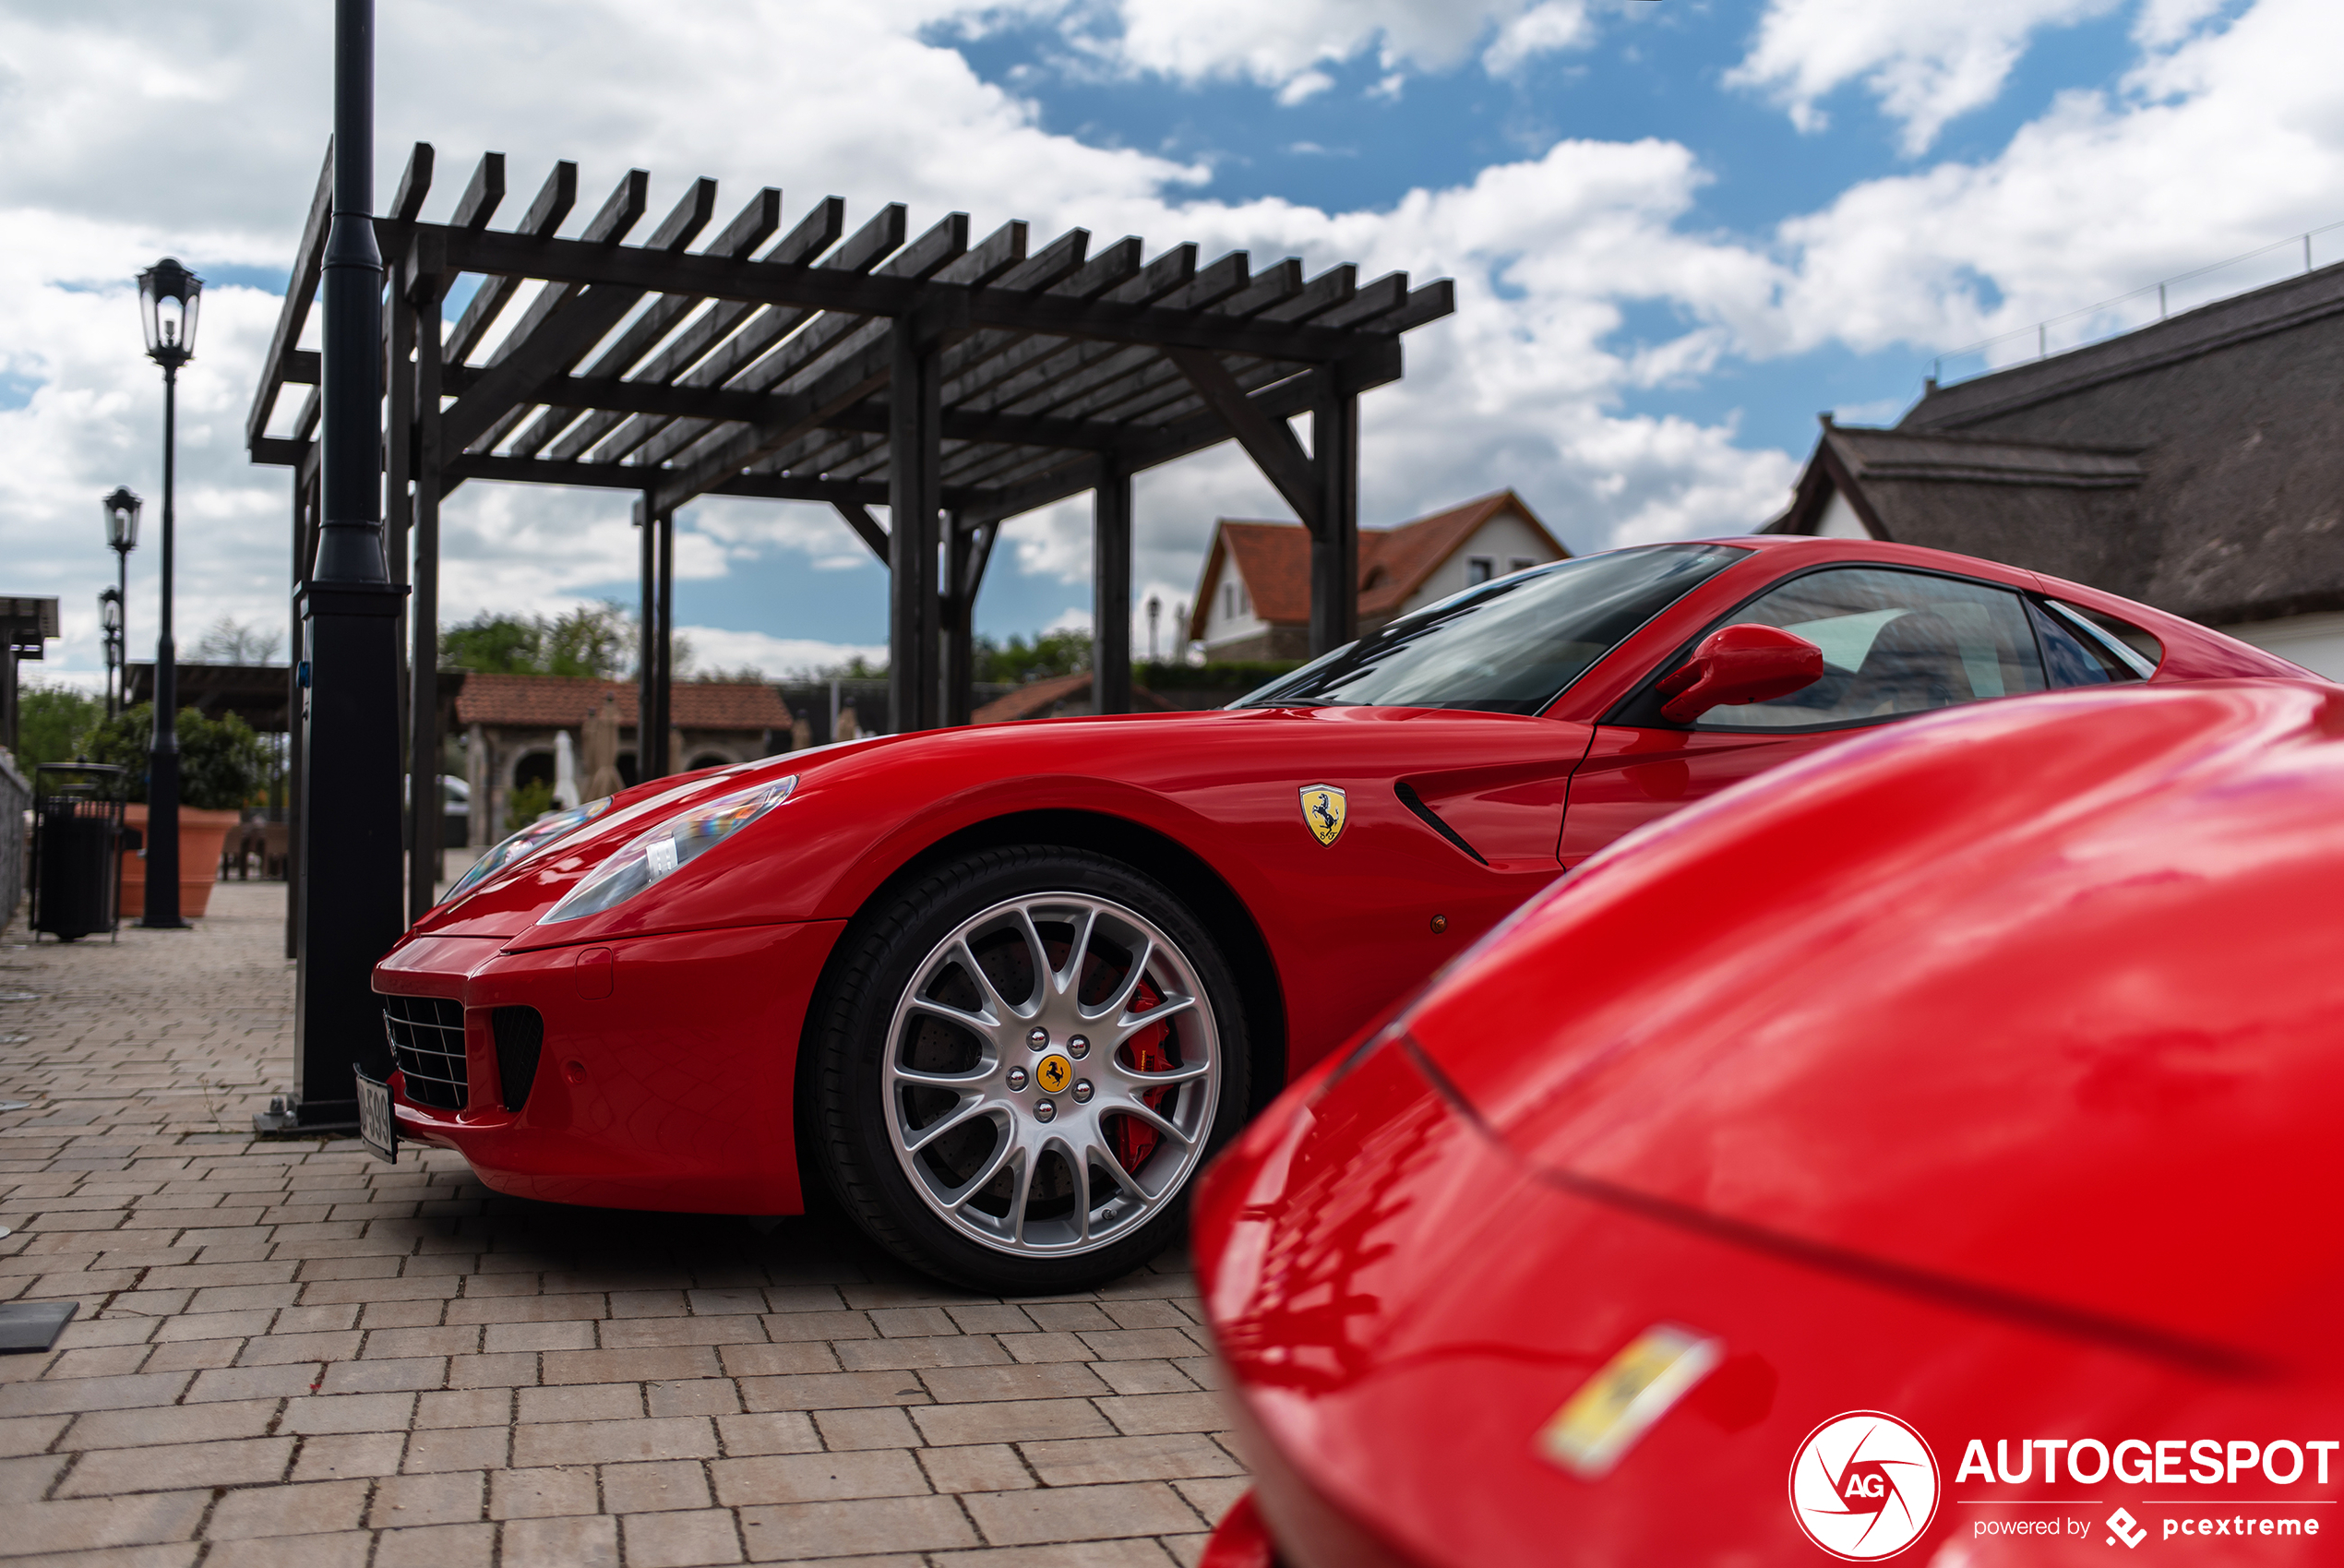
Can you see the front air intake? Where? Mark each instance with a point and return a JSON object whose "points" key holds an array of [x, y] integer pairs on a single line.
{"points": [[521, 1037], [428, 1044]]}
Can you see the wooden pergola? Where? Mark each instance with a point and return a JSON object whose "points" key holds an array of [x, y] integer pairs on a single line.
{"points": [[956, 383]]}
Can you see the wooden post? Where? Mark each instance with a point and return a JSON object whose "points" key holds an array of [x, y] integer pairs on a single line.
{"points": [[1111, 591], [651, 662], [426, 813], [1334, 545], [667, 763], [960, 630], [914, 679]]}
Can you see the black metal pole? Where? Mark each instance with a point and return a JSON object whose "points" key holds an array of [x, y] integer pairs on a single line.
{"points": [[351, 893], [121, 694], [163, 745]]}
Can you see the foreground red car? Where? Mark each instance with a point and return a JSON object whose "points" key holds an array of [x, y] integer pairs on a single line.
{"points": [[1006, 988], [1928, 1150]]}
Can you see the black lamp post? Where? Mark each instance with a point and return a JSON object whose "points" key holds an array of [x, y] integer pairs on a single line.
{"points": [[109, 622], [168, 294], [351, 901], [122, 537]]}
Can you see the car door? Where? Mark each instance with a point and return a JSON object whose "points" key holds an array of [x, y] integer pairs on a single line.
{"points": [[1896, 644]]}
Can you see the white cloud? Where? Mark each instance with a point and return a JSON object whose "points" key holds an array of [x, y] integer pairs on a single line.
{"points": [[1926, 64], [2223, 144], [779, 658]]}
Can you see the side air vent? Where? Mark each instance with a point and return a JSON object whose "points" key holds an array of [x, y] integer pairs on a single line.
{"points": [[520, 1036], [1431, 819]]}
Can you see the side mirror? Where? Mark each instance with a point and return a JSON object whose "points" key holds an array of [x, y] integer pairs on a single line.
{"points": [[1736, 665]]}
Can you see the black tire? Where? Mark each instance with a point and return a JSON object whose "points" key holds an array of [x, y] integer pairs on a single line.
{"points": [[855, 1034]]}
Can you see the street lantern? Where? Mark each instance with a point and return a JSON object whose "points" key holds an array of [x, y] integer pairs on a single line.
{"points": [[122, 537], [109, 622], [168, 297], [168, 294], [122, 520]]}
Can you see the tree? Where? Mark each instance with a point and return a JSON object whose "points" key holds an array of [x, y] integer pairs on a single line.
{"points": [[231, 641], [1050, 653], [222, 764], [51, 721], [596, 641]]}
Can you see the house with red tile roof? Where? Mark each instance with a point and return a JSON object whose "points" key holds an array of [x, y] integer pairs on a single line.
{"points": [[508, 723], [1253, 600]]}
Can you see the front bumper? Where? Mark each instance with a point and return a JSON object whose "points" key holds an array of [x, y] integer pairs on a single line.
{"points": [[664, 1076]]}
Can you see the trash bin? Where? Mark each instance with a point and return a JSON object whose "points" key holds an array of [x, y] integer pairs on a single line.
{"points": [[77, 846]]}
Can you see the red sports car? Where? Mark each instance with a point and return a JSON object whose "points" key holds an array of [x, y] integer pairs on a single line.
{"points": [[1925, 1150], [1006, 988]]}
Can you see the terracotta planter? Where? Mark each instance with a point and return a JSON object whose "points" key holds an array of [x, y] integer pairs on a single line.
{"points": [[202, 836]]}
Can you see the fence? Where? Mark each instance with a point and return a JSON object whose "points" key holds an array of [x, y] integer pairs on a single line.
{"points": [[16, 824], [2152, 302]]}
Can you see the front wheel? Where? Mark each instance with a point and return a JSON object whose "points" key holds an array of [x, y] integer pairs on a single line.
{"points": [[1025, 1061]]}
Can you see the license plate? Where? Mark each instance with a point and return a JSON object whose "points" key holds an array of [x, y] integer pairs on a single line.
{"points": [[377, 1125]]}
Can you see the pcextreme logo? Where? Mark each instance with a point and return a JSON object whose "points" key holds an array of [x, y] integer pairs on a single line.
{"points": [[1863, 1486]]}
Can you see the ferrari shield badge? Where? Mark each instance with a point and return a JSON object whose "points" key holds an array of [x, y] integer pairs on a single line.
{"points": [[1323, 810]]}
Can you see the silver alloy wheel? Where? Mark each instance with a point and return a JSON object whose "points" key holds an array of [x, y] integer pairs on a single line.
{"points": [[1025, 1061]]}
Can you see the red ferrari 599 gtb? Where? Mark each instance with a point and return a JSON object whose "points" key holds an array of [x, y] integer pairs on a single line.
{"points": [[1924, 1151], [1006, 989]]}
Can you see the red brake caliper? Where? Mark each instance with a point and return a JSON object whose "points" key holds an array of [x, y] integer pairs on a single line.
{"points": [[1143, 1052]]}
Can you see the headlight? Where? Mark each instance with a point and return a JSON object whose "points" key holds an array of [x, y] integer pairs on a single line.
{"points": [[528, 841], [658, 852]]}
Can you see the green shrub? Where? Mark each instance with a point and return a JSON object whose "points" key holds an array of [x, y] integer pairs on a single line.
{"points": [[49, 719], [527, 803], [223, 765], [1235, 677]]}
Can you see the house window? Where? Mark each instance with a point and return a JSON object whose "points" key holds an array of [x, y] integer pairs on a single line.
{"points": [[1229, 601], [1479, 569], [1520, 563], [1244, 600]]}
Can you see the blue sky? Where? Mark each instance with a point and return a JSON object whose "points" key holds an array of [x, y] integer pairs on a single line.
{"points": [[1678, 230]]}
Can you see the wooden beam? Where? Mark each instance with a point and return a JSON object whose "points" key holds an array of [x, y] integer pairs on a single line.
{"points": [[554, 199], [630, 476], [482, 196], [1267, 440], [842, 385], [858, 518], [827, 288], [309, 261], [546, 353], [414, 184]]}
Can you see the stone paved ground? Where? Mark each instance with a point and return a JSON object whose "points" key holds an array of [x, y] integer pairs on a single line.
{"points": [[290, 1353]]}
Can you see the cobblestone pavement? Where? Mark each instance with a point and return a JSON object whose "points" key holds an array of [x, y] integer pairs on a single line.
{"points": [[290, 1353]]}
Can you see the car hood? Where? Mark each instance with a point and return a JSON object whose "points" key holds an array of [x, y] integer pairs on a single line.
{"points": [[2035, 1005]]}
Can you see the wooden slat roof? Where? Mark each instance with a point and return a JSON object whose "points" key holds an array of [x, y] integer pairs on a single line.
{"points": [[748, 368]]}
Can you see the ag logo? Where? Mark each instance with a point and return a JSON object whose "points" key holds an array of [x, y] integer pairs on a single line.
{"points": [[1052, 1072], [1324, 810], [1863, 1486]]}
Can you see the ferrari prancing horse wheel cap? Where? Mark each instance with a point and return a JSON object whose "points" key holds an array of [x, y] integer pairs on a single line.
{"points": [[1053, 1072]]}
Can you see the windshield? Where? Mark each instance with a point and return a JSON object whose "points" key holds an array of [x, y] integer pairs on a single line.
{"points": [[1510, 646]]}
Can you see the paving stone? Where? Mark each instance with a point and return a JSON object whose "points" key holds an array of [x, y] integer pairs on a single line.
{"points": [[678, 1540], [652, 1488], [1155, 1458], [813, 1478], [437, 1546], [978, 1466], [350, 1413], [799, 1531], [692, 1396], [574, 1542], [782, 1432], [29, 1478], [1016, 1420], [609, 1442], [172, 1467], [346, 1549], [1080, 1514], [447, 1498], [343, 1456], [541, 1493], [886, 1427], [1136, 1414], [312, 1508]]}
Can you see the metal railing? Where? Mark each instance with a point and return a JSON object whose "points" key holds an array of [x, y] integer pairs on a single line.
{"points": [[2129, 312]]}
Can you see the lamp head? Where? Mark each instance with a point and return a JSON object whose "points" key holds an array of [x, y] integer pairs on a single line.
{"points": [[109, 610], [122, 520], [167, 295]]}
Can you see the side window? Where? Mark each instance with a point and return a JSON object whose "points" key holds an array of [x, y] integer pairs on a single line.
{"points": [[1893, 642], [1480, 569], [2073, 657]]}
